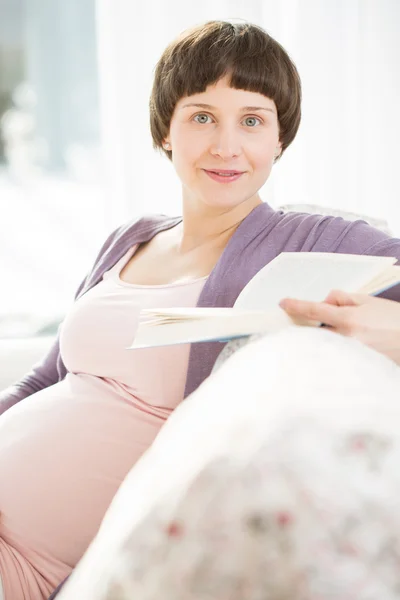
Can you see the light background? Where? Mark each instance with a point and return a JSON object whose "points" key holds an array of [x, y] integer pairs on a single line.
{"points": [[80, 159]]}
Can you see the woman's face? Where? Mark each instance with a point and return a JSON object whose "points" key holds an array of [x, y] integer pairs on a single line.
{"points": [[223, 144]]}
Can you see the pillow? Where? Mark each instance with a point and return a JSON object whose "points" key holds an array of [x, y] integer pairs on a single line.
{"points": [[278, 478]]}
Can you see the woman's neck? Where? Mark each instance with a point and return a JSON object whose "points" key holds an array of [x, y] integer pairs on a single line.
{"points": [[209, 226]]}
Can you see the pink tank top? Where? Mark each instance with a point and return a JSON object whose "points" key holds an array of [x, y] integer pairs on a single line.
{"points": [[65, 450]]}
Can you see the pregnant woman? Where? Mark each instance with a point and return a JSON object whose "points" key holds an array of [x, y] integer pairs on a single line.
{"points": [[225, 105]]}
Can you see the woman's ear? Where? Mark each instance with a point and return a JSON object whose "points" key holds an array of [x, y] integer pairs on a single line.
{"points": [[278, 151]]}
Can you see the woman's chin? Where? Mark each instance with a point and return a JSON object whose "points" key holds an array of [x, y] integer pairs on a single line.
{"points": [[230, 201], [223, 203]]}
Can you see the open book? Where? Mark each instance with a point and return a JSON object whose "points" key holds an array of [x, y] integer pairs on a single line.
{"points": [[301, 275]]}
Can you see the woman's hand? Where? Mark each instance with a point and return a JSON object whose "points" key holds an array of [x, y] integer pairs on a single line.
{"points": [[373, 321]]}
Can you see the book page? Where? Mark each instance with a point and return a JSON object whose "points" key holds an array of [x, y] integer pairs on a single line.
{"points": [[309, 276], [383, 281], [233, 324]]}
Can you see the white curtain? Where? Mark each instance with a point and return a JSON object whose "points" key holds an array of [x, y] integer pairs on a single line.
{"points": [[347, 51]]}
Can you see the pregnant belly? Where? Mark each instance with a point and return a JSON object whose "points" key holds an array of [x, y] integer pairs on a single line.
{"points": [[63, 454]]}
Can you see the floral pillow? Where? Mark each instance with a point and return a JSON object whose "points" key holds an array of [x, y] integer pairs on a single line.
{"points": [[278, 479]]}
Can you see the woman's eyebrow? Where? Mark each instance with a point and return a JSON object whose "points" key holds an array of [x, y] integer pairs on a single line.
{"points": [[255, 108], [198, 105], [210, 107]]}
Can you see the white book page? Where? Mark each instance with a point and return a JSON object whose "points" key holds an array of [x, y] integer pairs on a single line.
{"points": [[382, 282], [309, 276], [233, 324]]}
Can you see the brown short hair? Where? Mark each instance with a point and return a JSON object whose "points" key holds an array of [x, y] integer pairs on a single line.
{"points": [[201, 56]]}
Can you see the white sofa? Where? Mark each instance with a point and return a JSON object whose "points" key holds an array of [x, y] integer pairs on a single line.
{"points": [[18, 355]]}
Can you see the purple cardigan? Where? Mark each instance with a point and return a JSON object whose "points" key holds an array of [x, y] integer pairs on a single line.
{"points": [[262, 235]]}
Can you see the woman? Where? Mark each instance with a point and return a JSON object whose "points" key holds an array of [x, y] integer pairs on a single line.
{"points": [[225, 105]]}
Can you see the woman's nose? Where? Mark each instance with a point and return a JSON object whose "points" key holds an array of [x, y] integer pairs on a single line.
{"points": [[226, 144]]}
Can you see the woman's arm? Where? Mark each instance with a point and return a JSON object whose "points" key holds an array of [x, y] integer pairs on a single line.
{"points": [[373, 321], [46, 372], [42, 375]]}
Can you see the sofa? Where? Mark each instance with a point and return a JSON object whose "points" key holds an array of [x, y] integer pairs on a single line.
{"points": [[18, 355]]}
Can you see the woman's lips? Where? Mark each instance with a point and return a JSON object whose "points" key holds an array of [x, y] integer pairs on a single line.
{"points": [[224, 176]]}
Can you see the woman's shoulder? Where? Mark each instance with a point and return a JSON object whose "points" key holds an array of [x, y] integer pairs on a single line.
{"points": [[141, 229], [288, 230], [130, 233], [146, 225], [340, 232]]}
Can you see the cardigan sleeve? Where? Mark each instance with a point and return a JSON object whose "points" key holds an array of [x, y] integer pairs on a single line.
{"points": [[42, 375], [45, 373]]}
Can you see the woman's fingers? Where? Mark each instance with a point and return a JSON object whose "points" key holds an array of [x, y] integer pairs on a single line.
{"points": [[373, 321], [314, 311], [340, 298]]}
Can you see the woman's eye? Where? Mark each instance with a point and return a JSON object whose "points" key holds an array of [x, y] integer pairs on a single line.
{"points": [[252, 121], [202, 119]]}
